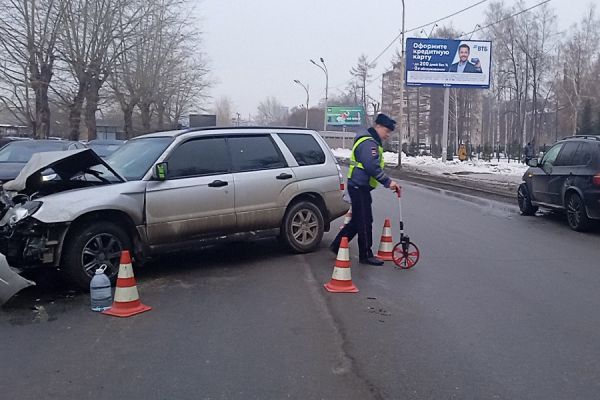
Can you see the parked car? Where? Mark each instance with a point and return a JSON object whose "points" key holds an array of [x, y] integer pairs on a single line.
{"points": [[16, 154], [8, 139], [566, 178], [172, 190], [105, 148]]}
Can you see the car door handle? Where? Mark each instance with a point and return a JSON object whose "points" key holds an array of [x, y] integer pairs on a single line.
{"points": [[284, 176], [218, 183]]}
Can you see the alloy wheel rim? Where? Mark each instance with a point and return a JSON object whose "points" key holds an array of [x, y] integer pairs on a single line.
{"points": [[305, 227], [574, 210], [101, 249]]}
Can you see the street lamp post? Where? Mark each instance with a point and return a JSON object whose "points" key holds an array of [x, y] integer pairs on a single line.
{"points": [[307, 99], [401, 114], [324, 69]]}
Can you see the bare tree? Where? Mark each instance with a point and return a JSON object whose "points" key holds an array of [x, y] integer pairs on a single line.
{"points": [[96, 32], [223, 110], [361, 74], [580, 52], [28, 38], [270, 111]]}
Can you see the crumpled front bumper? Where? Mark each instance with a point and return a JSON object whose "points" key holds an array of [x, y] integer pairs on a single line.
{"points": [[31, 243], [10, 281]]}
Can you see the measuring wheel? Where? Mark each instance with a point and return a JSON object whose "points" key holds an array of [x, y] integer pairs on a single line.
{"points": [[406, 255]]}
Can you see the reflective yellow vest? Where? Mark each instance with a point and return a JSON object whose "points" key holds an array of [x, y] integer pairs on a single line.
{"points": [[354, 164]]}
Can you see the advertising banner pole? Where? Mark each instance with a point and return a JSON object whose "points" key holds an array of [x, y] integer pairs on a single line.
{"points": [[445, 127]]}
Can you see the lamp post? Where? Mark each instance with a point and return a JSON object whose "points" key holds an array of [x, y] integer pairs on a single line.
{"points": [[324, 69], [401, 122], [307, 98]]}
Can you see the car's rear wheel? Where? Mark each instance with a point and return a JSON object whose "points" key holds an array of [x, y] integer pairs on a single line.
{"points": [[302, 227], [91, 246], [524, 200], [576, 213]]}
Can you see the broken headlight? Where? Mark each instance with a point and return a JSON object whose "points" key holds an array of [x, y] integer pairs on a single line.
{"points": [[19, 212]]}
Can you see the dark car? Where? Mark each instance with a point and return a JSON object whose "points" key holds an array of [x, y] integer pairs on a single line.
{"points": [[8, 139], [105, 148], [16, 154], [567, 178]]}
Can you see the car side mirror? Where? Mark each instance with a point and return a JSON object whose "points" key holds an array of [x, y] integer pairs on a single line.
{"points": [[533, 162], [160, 171]]}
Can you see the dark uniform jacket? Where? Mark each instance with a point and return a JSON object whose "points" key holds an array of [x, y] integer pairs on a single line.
{"points": [[367, 153]]}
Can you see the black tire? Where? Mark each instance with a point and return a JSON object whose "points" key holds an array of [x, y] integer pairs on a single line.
{"points": [[87, 239], [303, 227], [576, 213], [524, 200]]}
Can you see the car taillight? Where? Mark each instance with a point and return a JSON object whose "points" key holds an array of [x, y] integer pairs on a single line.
{"points": [[596, 179], [341, 176]]}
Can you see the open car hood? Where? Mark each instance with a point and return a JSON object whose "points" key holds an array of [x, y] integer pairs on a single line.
{"points": [[65, 164]]}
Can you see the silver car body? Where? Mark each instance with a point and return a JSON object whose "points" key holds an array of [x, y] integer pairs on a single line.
{"points": [[171, 213]]}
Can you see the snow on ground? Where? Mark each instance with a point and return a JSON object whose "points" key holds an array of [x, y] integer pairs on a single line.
{"points": [[497, 171]]}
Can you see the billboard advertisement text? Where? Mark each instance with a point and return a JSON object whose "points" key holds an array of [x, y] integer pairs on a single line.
{"points": [[448, 63], [345, 116]]}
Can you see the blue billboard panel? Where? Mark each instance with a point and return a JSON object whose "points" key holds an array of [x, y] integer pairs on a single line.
{"points": [[448, 63]]}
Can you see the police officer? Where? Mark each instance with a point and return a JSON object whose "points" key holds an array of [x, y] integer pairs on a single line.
{"points": [[366, 172]]}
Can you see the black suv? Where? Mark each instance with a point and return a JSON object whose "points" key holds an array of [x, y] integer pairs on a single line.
{"points": [[567, 178]]}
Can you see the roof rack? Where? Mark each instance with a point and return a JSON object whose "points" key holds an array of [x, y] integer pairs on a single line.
{"points": [[595, 137]]}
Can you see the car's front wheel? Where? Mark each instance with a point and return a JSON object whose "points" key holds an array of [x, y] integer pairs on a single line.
{"points": [[89, 247], [303, 227], [576, 213], [524, 200]]}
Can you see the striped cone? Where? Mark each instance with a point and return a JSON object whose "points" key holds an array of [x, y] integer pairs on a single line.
{"points": [[386, 245], [127, 300], [341, 280], [347, 218]]}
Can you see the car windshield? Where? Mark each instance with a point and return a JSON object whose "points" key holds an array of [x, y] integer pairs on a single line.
{"points": [[135, 158], [21, 152], [104, 150]]}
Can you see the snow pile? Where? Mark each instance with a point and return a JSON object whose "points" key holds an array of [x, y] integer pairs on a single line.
{"points": [[435, 166]]}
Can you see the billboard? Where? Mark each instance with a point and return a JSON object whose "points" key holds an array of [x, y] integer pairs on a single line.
{"points": [[345, 116], [448, 63]]}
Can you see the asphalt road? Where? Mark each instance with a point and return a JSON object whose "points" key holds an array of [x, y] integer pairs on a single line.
{"points": [[499, 307]]}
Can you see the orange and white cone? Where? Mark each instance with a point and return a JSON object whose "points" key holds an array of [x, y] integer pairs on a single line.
{"points": [[347, 218], [341, 280], [386, 245], [127, 299]]}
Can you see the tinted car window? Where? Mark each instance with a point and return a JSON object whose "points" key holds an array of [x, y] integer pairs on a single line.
{"points": [[567, 154], [252, 153], [305, 148], [551, 155], [585, 154], [199, 157]]}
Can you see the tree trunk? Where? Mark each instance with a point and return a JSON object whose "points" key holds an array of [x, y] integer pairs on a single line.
{"points": [[160, 123], [75, 113], [128, 121], [91, 105], [145, 110]]}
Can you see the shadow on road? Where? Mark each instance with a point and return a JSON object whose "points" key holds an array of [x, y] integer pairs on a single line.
{"points": [[51, 285]]}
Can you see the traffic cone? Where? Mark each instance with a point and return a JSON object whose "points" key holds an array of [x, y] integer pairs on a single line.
{"points": [[386, 245], [347, 218], [127, 300], [341, 280]]}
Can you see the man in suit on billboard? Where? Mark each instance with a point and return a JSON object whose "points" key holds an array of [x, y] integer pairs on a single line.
{"points": [[463, 65]]}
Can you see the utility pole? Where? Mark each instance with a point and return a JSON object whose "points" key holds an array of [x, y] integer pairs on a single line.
{"points": [[324, 69], [401, 91], [307, 99]]}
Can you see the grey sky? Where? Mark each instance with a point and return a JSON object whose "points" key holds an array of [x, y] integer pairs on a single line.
{"points": [[257, 48]]}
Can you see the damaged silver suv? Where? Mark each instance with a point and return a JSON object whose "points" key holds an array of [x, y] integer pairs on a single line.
{"points": [[169, 191]]}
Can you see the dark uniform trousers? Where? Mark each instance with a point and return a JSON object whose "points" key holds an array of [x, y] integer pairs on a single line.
{"points": [[361, 222]]}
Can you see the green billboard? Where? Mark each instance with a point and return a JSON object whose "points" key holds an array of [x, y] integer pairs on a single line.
{"points": [[345, 116]]}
